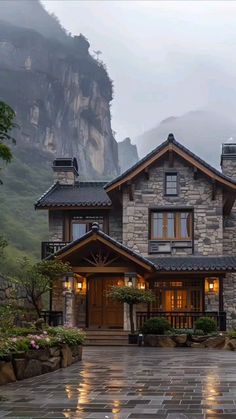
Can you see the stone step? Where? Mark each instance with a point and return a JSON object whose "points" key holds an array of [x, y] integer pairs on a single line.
{"points": [[104, 342], [106, 338]]}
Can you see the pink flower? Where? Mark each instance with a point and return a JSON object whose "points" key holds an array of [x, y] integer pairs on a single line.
{"points": [[14, 339], [37, 347]]}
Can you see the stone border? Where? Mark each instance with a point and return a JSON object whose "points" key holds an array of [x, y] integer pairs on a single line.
{"points": [[23, 365], [190, 341]]}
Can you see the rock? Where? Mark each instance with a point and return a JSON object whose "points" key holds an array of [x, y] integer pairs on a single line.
{"points": [[51, 365], [160, 341], [54, 351], [41, 354], [33, 368], [197, 345], [77, 351], [180, 339], [19, 367], [7, 374], [66, 355], [230, 344], [198, 339], [215, 342]]}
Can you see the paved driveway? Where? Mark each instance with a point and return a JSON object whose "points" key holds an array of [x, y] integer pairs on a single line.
{"points": [[133, 383]]}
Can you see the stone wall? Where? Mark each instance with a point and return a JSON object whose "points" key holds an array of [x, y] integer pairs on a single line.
{"points": [[56, 219], [196, 194], [115, 225]]}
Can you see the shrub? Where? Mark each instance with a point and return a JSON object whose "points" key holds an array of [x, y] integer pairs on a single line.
{"points": [[7, 317], [21, 331], [232, 334], [206, 324], [156, 326], [67, 335]]}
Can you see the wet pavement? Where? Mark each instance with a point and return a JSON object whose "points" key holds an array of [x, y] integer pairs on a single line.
{"points": [[130, 382]]}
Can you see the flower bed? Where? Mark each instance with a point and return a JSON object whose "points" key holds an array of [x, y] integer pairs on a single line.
{"points": [[26, 353]]}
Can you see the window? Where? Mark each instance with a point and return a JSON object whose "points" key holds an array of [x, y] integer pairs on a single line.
{"points": [[171, 187], [79, 228], [171, 225]]}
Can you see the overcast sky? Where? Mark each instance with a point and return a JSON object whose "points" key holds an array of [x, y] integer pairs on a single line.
{"points": [[165, 58]]}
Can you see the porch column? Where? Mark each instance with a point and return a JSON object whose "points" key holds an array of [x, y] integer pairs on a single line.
{"points": [[69, 308], [127, 278]]}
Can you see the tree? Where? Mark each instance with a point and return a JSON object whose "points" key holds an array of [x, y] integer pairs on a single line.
{"points": [[131, 296], [36, 279], [7, 116], [3, 244]]}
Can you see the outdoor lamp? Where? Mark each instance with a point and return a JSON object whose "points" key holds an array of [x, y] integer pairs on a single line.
{"points": [[211, 285], [67, 280], [131, 276], [79, 285], [130, 282]]}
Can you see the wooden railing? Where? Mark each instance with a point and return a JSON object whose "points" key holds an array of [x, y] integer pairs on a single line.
{"points": [[52, 318], [182, 320], [49, 248]]}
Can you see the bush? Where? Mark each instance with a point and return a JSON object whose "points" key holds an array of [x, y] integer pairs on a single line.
{"points": [[7, 317], [21, 331], [232, 334], [206, 324], [67, 335], [156, 326]]}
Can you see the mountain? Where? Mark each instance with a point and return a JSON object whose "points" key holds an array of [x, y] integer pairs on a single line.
{"points": [[62, 97], [202, 131], [127, 153]]}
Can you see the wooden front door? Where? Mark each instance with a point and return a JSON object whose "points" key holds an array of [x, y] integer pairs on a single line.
{"points": [[103, 311]]}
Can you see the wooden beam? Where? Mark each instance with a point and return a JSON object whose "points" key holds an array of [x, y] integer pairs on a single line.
{"points": [[195, 173], [100, 269], [171, 158], [146, 173], [213, 190]]}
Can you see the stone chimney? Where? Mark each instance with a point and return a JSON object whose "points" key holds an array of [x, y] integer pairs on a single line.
{"points": [[228, 160], [65, 170]]}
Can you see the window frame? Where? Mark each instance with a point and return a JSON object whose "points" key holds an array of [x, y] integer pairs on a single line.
{"points": [[165, 213], [84, 222], [169, 173]]}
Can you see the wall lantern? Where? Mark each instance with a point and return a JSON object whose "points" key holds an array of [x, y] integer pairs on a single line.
{"points": [[79, 285], [67, 281], [211, 284], [142, 285], [131, 278]]}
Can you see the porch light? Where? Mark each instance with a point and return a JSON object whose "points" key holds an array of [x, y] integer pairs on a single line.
{"points": [[141, 285], [211, 285], [130, 282], [79, 285], [67, 280], [131, 277]]}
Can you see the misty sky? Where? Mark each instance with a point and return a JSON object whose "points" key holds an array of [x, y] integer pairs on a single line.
{"points": [[166, 58]]}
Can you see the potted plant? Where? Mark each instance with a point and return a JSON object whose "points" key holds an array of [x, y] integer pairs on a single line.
{"points": [[131, 296]]}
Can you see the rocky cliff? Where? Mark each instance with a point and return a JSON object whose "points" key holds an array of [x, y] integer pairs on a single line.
{"points": [[128, 154], [61, 96]]}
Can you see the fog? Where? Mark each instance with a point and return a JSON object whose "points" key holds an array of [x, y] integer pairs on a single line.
{"points": [[166, 58]]}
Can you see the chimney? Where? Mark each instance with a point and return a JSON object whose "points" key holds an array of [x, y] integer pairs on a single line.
{"points": [[65, 170], [228, 160]]}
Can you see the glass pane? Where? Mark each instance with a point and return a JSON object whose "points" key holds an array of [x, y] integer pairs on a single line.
{"points": [[185, 225], [171, 184], [171, 225], [157, 225], [78, 230]]}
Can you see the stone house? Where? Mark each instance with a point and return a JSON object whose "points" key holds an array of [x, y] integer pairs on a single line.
{"points": [[167, 223]]}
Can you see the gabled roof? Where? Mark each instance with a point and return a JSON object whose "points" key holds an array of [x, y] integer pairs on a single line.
{"points": [[100, 236], [195, 263], [82, 194], [170, 145]]}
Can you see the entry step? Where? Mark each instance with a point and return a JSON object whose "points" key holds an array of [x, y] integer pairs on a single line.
{"points": [[106, 338]]}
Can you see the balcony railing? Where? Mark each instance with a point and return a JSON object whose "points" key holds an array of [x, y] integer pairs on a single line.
{"points": [[49, 248], [52, 318], [182, 320]]}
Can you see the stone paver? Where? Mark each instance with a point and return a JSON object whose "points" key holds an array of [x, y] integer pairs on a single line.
{"points": [[130, 382]]}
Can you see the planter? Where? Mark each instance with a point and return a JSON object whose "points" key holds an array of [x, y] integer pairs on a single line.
{"points": [[133, 339]]}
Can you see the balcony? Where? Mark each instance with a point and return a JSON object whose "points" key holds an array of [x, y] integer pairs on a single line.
{"points": [[49, 248]]}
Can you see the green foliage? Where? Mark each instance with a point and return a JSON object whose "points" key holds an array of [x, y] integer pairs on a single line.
{"points": [[232, 334], [21, 331], [206, 324], [156, 326], [7, 317], [3, 244], [7, 116], [67, 335], [130, 295], [36, 279]]}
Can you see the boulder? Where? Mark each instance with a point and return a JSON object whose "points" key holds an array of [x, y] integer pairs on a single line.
{"points": [[51, 365], [160, 341], [198, 345], [40, 354], [66, 356], [19, 367], [77, 352], [230, 344], [7, 374], [198, 339], [215, 342], [33, 368], [180, 339], [54, 352]]}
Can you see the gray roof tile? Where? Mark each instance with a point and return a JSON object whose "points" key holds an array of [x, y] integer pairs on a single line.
{"points": [[195, 263]]}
